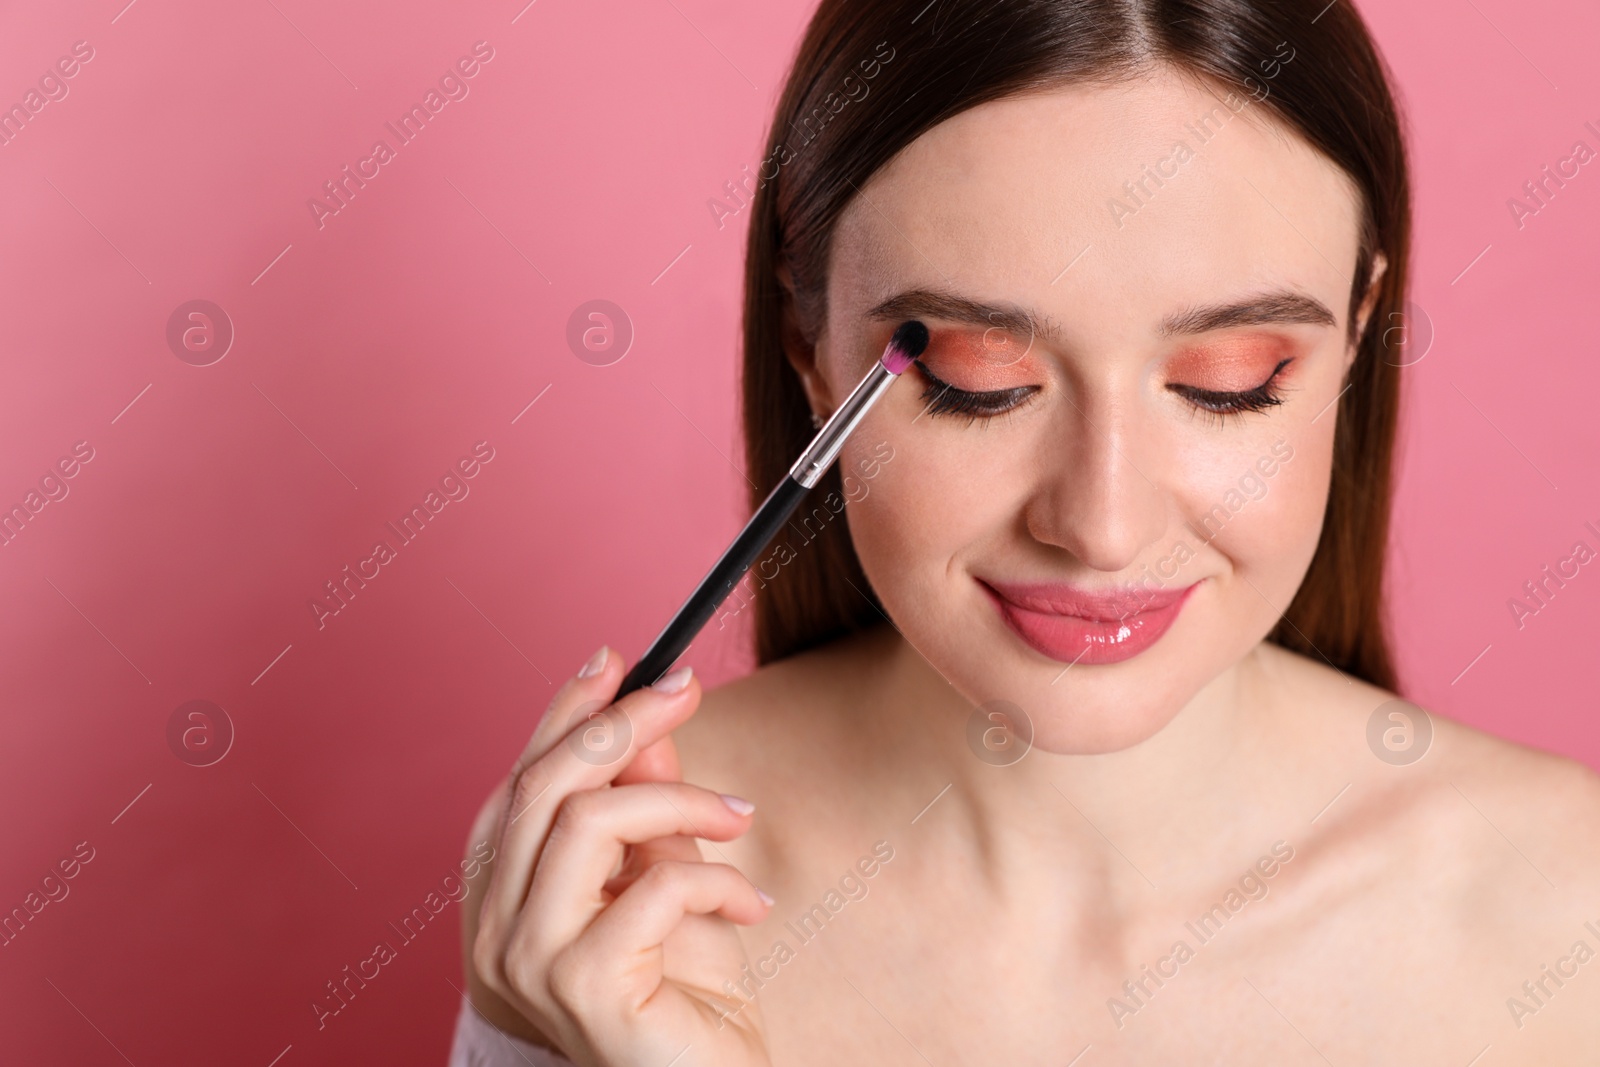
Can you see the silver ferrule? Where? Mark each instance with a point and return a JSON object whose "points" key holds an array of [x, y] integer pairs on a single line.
{"points": [[824, 448]]}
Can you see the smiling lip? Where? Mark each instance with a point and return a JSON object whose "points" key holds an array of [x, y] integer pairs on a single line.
{"points": [[1071, 624]]}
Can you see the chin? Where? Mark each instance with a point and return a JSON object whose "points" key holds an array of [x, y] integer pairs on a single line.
{"points": [[1096, 727], [1092, 710]]}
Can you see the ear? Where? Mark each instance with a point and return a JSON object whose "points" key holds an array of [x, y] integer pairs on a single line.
{"points": [[1380, 265], [806, 358]]}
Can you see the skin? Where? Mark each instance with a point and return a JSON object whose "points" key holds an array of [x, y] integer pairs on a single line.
{"points": [[1414, 900]]}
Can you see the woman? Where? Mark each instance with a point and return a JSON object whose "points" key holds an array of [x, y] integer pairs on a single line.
{"points": [[1075, 737]]}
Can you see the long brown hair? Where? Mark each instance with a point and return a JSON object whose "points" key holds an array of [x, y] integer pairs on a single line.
{"points": [[873, 75]]}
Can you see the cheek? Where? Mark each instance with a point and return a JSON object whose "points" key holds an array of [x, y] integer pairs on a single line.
{"points": [[1268, 525], [930, 503]]}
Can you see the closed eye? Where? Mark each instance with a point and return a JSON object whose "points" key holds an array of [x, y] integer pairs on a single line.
{"points": [[942, 398], [1223, 405]]}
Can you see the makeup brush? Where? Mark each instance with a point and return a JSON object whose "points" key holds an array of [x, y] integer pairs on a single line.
{"points": [[910, 340]]}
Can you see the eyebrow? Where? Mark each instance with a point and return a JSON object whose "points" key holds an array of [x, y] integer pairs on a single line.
{"points": [[933, 303], [1271, 307], [1275, 306]]}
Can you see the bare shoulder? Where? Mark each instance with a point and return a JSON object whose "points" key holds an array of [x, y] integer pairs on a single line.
{"points": [[1416, 762], [1449, 843], [789, 738], [1414, 755], [784, 717]]}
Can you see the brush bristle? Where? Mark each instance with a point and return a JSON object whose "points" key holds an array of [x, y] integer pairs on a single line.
{"points": [[908, 342]]}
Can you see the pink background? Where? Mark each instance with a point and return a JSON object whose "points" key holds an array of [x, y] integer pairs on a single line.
{"points": [[374, 351]]}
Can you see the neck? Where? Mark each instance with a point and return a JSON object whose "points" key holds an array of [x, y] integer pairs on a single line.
{"points": [[1174, 810]]}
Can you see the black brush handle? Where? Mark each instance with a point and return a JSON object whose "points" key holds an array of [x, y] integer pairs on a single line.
{"points": [[715, 587]]}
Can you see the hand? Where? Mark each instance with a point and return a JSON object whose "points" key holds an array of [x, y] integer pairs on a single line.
{"points": [[601, 924]]}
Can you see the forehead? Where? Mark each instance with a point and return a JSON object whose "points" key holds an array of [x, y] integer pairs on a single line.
{"points": [[1156, 191]]}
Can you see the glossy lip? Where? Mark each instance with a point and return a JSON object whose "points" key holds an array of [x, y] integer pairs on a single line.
{"points": [[1075, 625]]}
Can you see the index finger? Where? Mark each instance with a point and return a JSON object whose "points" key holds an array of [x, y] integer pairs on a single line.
{"points": [[590, 690]]}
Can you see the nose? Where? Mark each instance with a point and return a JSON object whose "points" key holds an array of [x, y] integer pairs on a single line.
{"points": [[1100, 494]]}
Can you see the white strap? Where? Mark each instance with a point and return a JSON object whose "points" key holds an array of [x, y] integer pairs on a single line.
{"points": [[479, 1043]]}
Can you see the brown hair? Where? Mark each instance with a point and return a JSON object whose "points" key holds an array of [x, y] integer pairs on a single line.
{"points": [[873, 75]]}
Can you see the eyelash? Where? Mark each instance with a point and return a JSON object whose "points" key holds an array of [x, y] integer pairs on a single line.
{"points": [[1220, 407], [943, 398]]}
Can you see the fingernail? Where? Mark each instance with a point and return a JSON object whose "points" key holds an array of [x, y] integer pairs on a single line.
{"points": [[596, 664], [674, 682], [738, 804], [762, 893]]}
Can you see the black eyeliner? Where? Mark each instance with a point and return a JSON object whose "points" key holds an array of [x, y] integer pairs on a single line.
{"points": [[942, 398], [1231, 403]]}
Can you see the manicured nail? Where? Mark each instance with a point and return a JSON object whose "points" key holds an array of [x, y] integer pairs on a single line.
{"points": [[596, 664], [737, 804], [674, 682], [762, 893]]}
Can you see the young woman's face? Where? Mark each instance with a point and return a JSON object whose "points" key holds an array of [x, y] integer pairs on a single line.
{"points": [[1116, 452]]}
